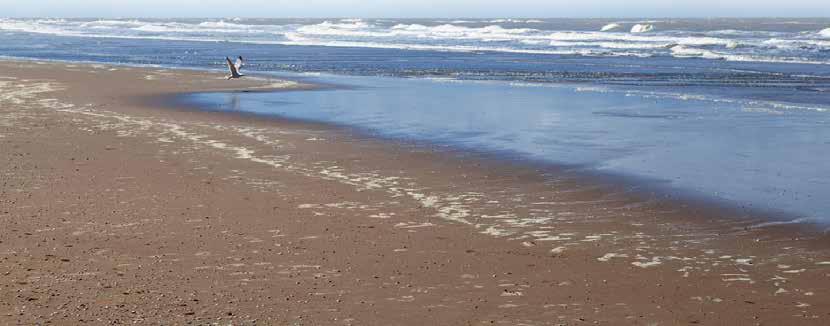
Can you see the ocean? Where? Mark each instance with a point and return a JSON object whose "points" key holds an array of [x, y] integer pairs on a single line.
{"points": [[734, 110]]}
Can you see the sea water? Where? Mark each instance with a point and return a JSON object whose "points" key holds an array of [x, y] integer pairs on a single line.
{"points": [[767, 158]]}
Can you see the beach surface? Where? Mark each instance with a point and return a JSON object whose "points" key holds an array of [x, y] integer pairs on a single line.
{"points": [[117, 209]]}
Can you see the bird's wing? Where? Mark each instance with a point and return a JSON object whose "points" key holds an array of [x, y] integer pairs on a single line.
{"points": [[239, 64], [232, 68]]}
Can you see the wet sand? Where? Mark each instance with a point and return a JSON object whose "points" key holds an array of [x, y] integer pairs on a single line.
{"points": [[116, 211]]}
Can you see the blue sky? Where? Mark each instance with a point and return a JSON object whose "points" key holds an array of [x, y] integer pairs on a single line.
{"points": [[414, 8]]}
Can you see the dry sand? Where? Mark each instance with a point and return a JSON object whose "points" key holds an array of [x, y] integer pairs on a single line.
{"points": [[117, 212]]}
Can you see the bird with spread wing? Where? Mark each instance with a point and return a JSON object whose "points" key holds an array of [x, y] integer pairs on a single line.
{"points": [[235, 67]]}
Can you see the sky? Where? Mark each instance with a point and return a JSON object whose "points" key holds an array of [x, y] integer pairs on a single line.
{"points": [[414, 8]]}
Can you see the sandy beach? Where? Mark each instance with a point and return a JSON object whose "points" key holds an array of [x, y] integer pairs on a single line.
{"points": [[116, 210]]}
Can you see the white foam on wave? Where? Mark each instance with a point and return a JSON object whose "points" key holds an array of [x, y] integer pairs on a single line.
{"points": [[449, 30], [411, 32], [797, 44], [612, 45], [108, 23], [97, 31], [680, 51], [574, 36], [223, 24], [297, 40], [517, 21], [205, 27], [136, 29], [642, 28], [825, 32], [54, 27], [610, 27], [342, 28], [153, 28]]}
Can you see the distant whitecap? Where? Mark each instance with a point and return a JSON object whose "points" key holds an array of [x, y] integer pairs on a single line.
{"points": [[642, 28], [610, 27]]}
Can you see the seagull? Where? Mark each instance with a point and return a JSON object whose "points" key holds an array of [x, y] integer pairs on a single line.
{"points": [[235, 67]]}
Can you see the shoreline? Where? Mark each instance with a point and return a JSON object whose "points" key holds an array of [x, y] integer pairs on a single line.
{"points": [[638, 186], [243, 220]]}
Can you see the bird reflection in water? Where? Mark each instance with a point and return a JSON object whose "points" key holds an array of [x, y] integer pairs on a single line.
{"points": [[232, 102]]}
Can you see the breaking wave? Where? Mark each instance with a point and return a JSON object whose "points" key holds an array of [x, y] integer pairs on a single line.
{"points": [[610, 27], [643, 39], [642, 28]]}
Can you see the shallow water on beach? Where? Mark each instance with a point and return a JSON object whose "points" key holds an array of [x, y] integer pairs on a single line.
{"points": [[750, 153]]}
